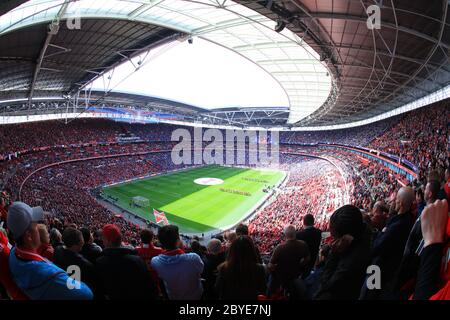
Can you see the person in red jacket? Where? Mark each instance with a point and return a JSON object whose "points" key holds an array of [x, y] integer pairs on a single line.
{"points": [[5, 276], [147, 250]]}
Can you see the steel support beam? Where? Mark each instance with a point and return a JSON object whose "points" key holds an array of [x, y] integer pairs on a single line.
{"points": [[53, 30], [363, 19], [8, 5]]}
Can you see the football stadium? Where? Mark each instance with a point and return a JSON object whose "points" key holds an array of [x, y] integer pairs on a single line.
{"points": [[210, 150]]}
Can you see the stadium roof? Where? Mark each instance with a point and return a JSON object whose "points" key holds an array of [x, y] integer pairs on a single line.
{"points": [[376, 70], [108, 24], [371, 71]]}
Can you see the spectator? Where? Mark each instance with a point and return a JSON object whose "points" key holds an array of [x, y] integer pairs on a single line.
{"points": [[6, 280], [288, 261], [91, 251], [410, 261], [420, 200], [431, 191], [447, 183], [213, 258], [439, 177], [378, 216], [123, 274], [179, 271], [37, 277], [312, 236], [45, 249], [55, 238], [345, 267], [435, 221], [230, 237], [389, 245], [312, 281], [241, 277], [242, 230], [98, 239], [69, 255], [147, 250], [197, 248]]}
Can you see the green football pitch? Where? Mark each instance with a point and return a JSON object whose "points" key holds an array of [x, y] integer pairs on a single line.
{"points": [[196, 208]]}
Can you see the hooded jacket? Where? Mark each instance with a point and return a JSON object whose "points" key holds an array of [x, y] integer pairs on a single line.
{"points": [[40, 279]]}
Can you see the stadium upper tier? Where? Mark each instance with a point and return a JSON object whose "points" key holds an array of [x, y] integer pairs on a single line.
{"points": [[408, 135]]}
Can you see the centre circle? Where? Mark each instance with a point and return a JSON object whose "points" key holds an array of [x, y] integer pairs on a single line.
{"points": [[208, 181]]}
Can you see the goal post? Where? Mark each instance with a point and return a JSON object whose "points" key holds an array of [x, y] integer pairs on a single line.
{"points": [[140, 201]]}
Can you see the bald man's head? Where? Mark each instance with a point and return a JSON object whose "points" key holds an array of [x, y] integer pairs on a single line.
{"points": [[405, 199], [214, 246], [289, 232]]}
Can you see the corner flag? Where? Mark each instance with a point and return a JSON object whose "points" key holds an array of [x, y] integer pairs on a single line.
{"points": [[160, 217]]}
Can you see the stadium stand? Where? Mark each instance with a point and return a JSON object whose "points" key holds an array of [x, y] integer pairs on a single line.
{"points": [[74, 166]]}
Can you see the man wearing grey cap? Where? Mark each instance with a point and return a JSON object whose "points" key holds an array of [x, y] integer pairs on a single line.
{"points": [[37, 277]]}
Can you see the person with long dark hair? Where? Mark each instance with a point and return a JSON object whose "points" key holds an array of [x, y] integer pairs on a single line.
{"points": [[241, 277]]}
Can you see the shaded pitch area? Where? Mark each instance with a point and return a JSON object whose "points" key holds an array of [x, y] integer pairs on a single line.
{"points": [[194, 207]]}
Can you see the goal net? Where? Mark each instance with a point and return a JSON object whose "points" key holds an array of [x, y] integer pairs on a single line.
{"points": [[140, 201]]}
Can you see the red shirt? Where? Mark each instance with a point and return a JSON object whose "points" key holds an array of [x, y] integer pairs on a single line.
{"points": [[147, 252], [46, 251], [443, 294], [447, 190]]}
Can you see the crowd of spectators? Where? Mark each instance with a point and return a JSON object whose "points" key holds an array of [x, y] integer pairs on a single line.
{"points": [[34, 135], [228, 268], [358, 136], [400, 228], [314, 187], [76, 180], [421, 137]]}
